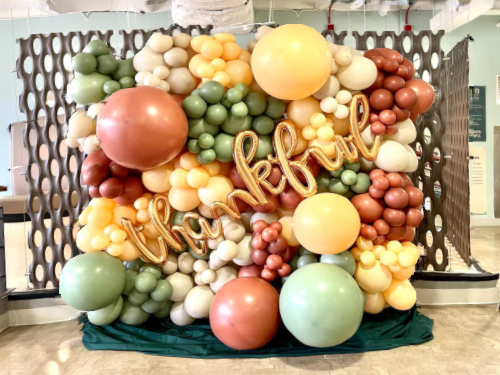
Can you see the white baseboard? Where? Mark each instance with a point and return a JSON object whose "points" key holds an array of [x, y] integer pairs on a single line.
{"points": [[480, 222], [4, 321], [41, 315], [444, 297]]}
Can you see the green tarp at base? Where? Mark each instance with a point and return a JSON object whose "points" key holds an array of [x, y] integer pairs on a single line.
{"points": [[387, 330]]}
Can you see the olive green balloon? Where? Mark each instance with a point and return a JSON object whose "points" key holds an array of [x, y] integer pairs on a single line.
{"points": [[337, 173], [206, 140], [323, 180], [198, 126], [195, 92], [92, 281], [97, 48], [89, 89], [193, 146], [243, 87], [234, 125], [337, 186], [133, 315], [130, 276], [234, 95], [194, 106], [275, 107], [256, 103], [84, 63], [264, 148], [321, 305], [223, 147], [137, 298], [226, 103], [239, 110], [145, 282], [162, 291], [304, 251], [212, 92], [263, 125], [202, 257], [134, 265], [177, 219], [344, 260], [305, 260], [206, 156], [107, 314], [348, 177], [111, 87], [152, 269], [352, 166], [216, 114], [165, 312], [106, 64], [293, 262], [125, 68], [126, 82], [362, 183], [349, 194], [151, 306]]}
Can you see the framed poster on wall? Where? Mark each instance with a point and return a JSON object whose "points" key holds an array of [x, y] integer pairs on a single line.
{"points": [[477, 177], [477, 113]]}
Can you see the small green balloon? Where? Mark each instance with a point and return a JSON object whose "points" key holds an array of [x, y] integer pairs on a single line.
{"points": [[226, 103], [145, 282], [243, 87], [134, 265], [264, 148], [283, 280], [233, 125], [293, 262], [349, 194], [304, 260], [84, 63], [362, 183], [275, 107], [151, 306], [344, 260], [89, 89], [234, 95], [352, 166], [137, 298], [126, 82], [194, 106], [165, 312], [206, 156], [107, 314], [111, 87], [178, 217], [323, 180], [130, 276], [338, 187], [195, 92], [193, 146], [198, 126], [125, 68], [349, 177], [201, 257], [133, 315], [162, 291], [337, 173], [223, 147], [263, 125], [152, 269], [106, 64], [256, 103], [212, 92], [304, 251], [97, 48], [216, 114], [206, 141], [239, 110]]}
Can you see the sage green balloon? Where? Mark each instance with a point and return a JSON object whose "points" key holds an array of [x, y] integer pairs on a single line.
{"points": [[125, 68], [349, 194], [134, 265], [234, 125], [89, 89], [362, 183], [151, 306], [348, 177], [321, 305], [323, 180], [305, 260], [223, 147], [337, 173], [304, 251], [338, 187], [165, 312], [352, 166], [275, 107], [97, 48], [126, 82], [202, 257], [107, 314], [234, 95], [106, 64], [145, 282], [152, 269], [111, 87], [206, 156], [226, 103], [216, 114], [256, 103], [198, 126], [344, 260], [92, 281], [193, 146], [264, 148], [212, 92], [179, 216], [194, 106], [84, 63], [130, 276], [239, 110], [162, 291], [293, 262], [263, 125], [206, 141], [137, 298], [243, 87], [195, 92], [133, 315]]}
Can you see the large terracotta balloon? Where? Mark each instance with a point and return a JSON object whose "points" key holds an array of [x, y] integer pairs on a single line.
{"points": [[245, 313], [292, 62], [142, 127], [425, 94]]}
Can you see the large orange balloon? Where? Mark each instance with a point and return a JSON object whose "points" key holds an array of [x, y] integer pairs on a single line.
{"points": [[292, 62], [245, 313], [425, 95], [142, 127]]}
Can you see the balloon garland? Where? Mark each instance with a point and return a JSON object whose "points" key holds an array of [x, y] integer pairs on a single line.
{"points": [[246, 185]]}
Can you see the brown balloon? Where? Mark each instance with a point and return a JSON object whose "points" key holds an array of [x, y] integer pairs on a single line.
{"points": [[376, 173], [132, 190], [402, 71], [413, 217], [274, 262], [290, 198], [406, 98], [95, 174], [415, 196], [369, 209], [394, 217], [279, 246], [373, 117], [395, 180], [111, 188], [397, 233], [391, 129], [376, 193], [381, 226], [270, 206], [380, 183], [378, 128], [407, 179], [252, 270], [410, 234], [379, 240], [368, 232], [394, 55], [259, 226], [401, 113], [275, 176], [259, 256], [379, 62], [394, 83], [268, 274], [285, 270], [411, 69], [390, 65], [94, 192], [370, 54], [236, 179], [388, 117], [396, 198], [425, 94], [381, 99], [98, 157], [270, 234], [378, 84], [258, 242], [116, 170], [277, 225]]}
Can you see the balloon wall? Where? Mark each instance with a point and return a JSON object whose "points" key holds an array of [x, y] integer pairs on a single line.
{"points": [[251, 187]]}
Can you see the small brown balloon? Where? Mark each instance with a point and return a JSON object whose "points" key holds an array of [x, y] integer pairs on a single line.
{"points": [[402, 71], [401, 113], [381, 183], [369, 232], [259, 226], [94, 192], [394, 217], [390, 65], [388, 117], [413, 217], [270, 206], [395, 180], [411, 69], [277, 225], [381, 226], [236, 179], [396, 233], [259, 256], [379, 62], [274, 262], [415, 196], [424, 92], [378, 84], [275, 176], [410, 234], [407, 179], [111, 188], [381, 99], [285, 270], [376, 173], [396, 198], [394, 55], [376, 193], [268, 274], [369, 209], [414, 116], [258, 242], [406, 98], [373, 117], [290, 198], [132, 190], [279, 246], [95, 174], [379, 240], [378, 128], [391, 129], [269, 234], [116, 170], [394, 83], [252, 270]]}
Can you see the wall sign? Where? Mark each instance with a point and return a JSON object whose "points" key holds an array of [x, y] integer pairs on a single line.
{"points": [[477, 176], [477, 113]]}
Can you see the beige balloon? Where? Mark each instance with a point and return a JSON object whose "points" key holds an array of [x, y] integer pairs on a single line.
{"points": [[375, 302], [79, 126], [404, 274], [373, 279], [198, 301], [360, 74], [401, 295], [176, 57], [340, 126], [147, 60], [181, 81], [330, 88], [300, 111], [157, 179], [160, 43], [179, 316], [182, 40]]}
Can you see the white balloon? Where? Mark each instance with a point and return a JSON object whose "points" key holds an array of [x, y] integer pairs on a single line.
{"points": [[140, 76], [94, 109], [367, 136], [182, 40], [152, 81], [198, 301], [212, 244], [164, 86], [179, 315], [244, 255], [412, 160], [268, 218], [234, 230], [335, 67], [261, 31], [161, 72], [224, 275], [215, 262], [342, 112], [227, 250], [72, 142], [208, 276], [333, 48], [171, 266], [91, 144], [181, 284], [147, 59], [360, 74], [79, 126], [330, 88], [406, 134], [392, 157], [176, 57], [200, 265], [328, 104], [343, 57], [160, 43], [343, 97], [245, 219], [185, 262], [198, 280], [181, 81]]}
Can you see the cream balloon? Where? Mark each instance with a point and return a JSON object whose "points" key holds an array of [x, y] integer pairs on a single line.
{"points": [[181, 284], [208, 276], [360, 74], [80, 126], [141, 76], [181, 81], [94, 109], [217, 189], [392, 157], [224, 275], [147, 60], [366, 165], [368, 137], [244, 255], [373, 279], [227, 250], [262, 31], [342, 112], [198, 281], [162, 72], [198, 301], [182, 40], [375, 302], [234, 230], [330, 88], [343, 97], [407, 133], [200, 265], [328, 104], [151, 80], [215, 262], [401, 295], [179, 315], [176, 57], [412, 160], [160, 43], [185, 262], [245, 219]]}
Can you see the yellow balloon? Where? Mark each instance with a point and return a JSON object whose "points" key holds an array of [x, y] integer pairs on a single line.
{"points": [[292, 62], [239, 72], [118, 236], [197, 178], [188, 161], [110, 229], [82, 219], [100, 242], [222, 77], [100, 217], [212, 168], [300, 111], [245, 56], [130, 251], [326, 223], [287, 231], [195, 62], [211, 49], [404, 273], [375, 302], [400, 295], [218, 64], [224, 38], [374, 279], [217, 189], [85, 236], [231, 51], [178, 179], [198, 41], [301, 142], [157, 179], [115, 249], [183, 199], [327, 147], [143, 216], [121, 212], [205, 70], [103, 203]]}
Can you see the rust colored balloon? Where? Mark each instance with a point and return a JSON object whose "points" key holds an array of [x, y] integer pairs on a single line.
{"points": [[401, 113], [414, 116], [395, 180], [290, 198], [369, 209], [311, 163], [242, 206], [402, 71], [274, 262], [259, 256], [394, 217], [94, 192], [287, 255], [270, 234], [406, 98], [369, 232], [285, 270], [245, 313], [379, 240], [270, 206], [116, 170], [415, 196], [425, 95], [275, 176], [268, 274], [111, 188], [95, 174], [378, 128], [391, 129], [376, 173], [407, 179], [396, 198], [396, 233], [379, 61], [258, 242], [394, 55], [252, 270], [411, 69], [178, 98], [381, 226], [132, 190], [410, 234], [279, 246], [373, 117], [381, 99], [388, 117], [277, 225], [394, 83], [413, 217], [236, 179], [378, 84], [390, 65], [141, 127], [376, 193], [98, 157], [259, 226], [381, 183], [370, 54]]}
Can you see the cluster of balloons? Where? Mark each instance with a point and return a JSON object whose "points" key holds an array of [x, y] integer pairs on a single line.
{"points": [[347, 180], [81, 132]]}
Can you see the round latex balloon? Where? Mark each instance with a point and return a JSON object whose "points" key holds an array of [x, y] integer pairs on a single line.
{"points": [[141, 128], [107, 314], [326, 223], [360, 74], [244, 313], [292, 62], [425, 95], [321, 305], [401, 295]]}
